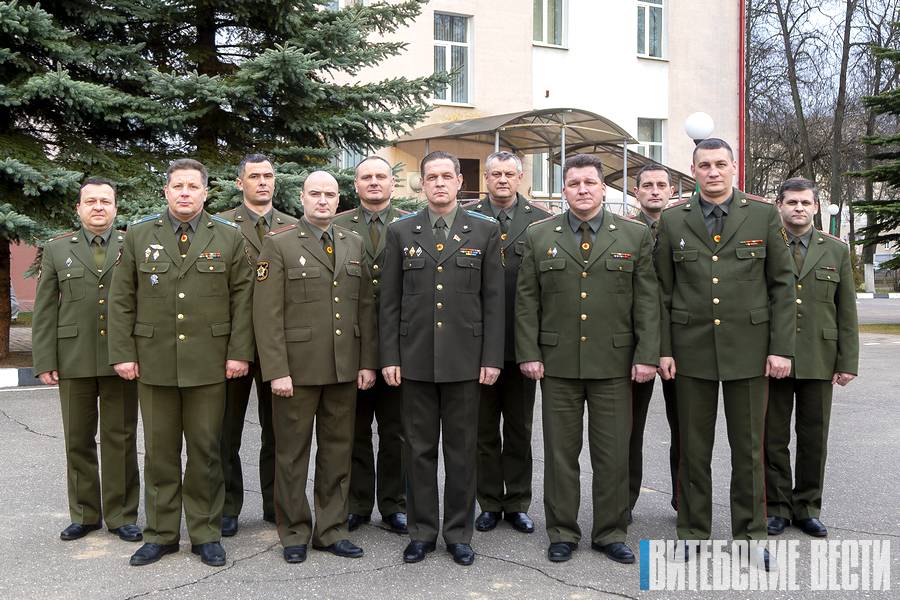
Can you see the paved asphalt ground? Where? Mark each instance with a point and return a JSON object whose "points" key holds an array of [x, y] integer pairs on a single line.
{"points": [[861, 502]]}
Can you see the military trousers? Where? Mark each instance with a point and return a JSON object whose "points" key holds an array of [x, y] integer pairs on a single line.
{"points": [[504, 463], [445, 413], [237, 397], [112, 489], [383, 478], [641, 393], [745, 413], [798, 496], [332, 408], [195, 413], [609, 424]]}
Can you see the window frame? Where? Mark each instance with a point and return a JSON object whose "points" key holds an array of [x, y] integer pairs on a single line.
{"points": [[647, 5], [643, 147], [563, 30], [540, 162], [448, 60]]}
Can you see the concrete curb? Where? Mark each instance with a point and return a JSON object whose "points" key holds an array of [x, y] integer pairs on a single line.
{"points": [[882, 295], [20, 377]]}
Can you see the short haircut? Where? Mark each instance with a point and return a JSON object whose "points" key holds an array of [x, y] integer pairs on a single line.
{"points": [[503, 156], [648, 169], [439, 155], [711, 144], [187, 164], [99, 181], [797, 184], [252, 158], [583, 160], [373, 157]]}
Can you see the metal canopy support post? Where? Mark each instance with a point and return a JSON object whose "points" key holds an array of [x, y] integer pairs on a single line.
{"points": [[427, 147], [562, 158], [624, 176], [497, 141], [680, 192]]}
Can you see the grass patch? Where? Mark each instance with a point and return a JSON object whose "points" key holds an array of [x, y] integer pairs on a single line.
{"points": [[23, 320], [888, 328]]}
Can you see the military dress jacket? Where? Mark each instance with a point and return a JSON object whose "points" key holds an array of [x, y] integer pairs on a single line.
{"points": [[512, 245], [441, 308], [314, 322], [240, 215], [355, 220], [726, 306], [827, 326], [70, 328], [589, 320], [181, 319]]}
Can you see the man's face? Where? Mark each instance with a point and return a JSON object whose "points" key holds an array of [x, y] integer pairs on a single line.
{"points": [[441, 183], [584, 191], [797, 209], [185, 193], [502, 180], [96, 207], [654, 191], [257, 183], [714, 171], [374, 182], [320, 199]]}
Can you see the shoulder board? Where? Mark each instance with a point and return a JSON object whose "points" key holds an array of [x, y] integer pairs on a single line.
{"points": [[224, 221], [401, 213], [629, 220], [833, 237], [345, 230], [147, 218], [479, 215], [346, 212], [758, 199], [61, 236], [544, 220], [283, 229], [468, 203], [679, 203], [406, 216]]}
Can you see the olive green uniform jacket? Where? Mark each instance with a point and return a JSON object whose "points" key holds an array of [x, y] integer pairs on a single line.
{"points": [[181, 319], [589, 321], [240, 216]]}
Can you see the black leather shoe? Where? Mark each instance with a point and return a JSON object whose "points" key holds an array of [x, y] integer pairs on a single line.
{"points": [[561, 551], [487, 520], [811, 526], [617, 551], [462, 554], [415, 551], [354, 521], [397, 522], [211, 553], [268, 518], [520, 521], [229, 526], [128, 533], [342, 548], [77, 530], [294, 554], [150, 553], [776, 525]]}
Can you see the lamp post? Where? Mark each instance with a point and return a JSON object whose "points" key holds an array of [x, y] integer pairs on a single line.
{"points": [[698, 126], [833, 210]]}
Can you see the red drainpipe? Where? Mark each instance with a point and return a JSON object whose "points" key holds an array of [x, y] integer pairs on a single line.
{"points": [[742, 74]]}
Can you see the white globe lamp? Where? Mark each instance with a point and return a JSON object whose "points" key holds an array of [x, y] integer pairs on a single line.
{"points": [[698, 126]]}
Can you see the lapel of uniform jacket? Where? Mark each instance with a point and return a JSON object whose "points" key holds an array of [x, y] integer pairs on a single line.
{"points": [[313, 244], [112, 251], [694, 221], [815, 252], [520, 222], [565, 239], [202, 237], [341, 249], [81, 250], [248, 229], [737, 214], [362, 228], [605, 238], [392, 215], [457, 236], [424, 236], [165, 237]]}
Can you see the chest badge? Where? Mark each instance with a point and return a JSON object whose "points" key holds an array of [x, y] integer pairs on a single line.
{"points": [[681, 244], [551, 252], [439, 247], [69, 262], [302, 261], [154, 279]]}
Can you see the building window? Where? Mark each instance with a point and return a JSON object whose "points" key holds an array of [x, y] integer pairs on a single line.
{"points": [[650, 28], [549, 19], [546, 178], [348, 159], [650, 138], [451, 54]]}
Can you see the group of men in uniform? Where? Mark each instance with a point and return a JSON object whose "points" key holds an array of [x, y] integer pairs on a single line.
{"points": [[438, 325]]}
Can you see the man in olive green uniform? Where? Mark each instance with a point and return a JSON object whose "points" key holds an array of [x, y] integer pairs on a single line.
{"points": [[587, 323], [653, 190], [728, 296], [441, 319], [827, 353], [255, 217], [69, 348], [374, 184], [504, 466], [314, 317], [180, 324]]}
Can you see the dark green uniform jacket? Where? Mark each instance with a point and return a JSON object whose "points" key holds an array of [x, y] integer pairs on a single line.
{"points": [[70, 317], [738, 293], [240, 216], [181, 319], [594, 320]]}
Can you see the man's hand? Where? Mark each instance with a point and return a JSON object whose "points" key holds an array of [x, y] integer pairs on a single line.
{"points": [[643, 373], [488, 375], [283, 387], [127, 370], [839, 378], [666, 367], [777, 367], [236, 368], [391, 375], [365, 379], [532, 370], [52, 377]]}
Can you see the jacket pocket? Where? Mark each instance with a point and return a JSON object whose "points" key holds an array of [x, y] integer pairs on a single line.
{"points": [[153, 281], [220, 329], [759, 315], [623, 340], [682, 317], [829, 334], [71, 284], [302, 284], [298, 334], [826, 284], [143, 330], [354, 270], [66, 331], [468, 274], [552, 264], [215, 281], [680, 256], [548, 338], [750, 264]]}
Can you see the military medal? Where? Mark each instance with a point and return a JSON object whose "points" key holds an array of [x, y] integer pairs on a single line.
{"points": [[69, 262], [262, 270], [752, 242], [585, 246], [717, 238], [439, 247], [622, 255], [470, 251], [456, 238], [154, 279], [184, 238]]}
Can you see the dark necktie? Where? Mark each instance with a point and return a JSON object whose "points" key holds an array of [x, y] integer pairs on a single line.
{"points": [[328, 247], [184, 240], [504, 223], [375, 229], [798, 254], [440, 229], [99, 251], [718, 223], [261, 229], [585, 240]]}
